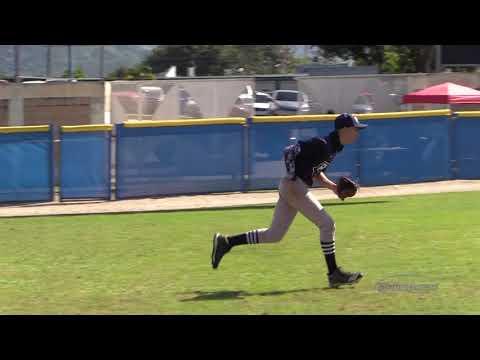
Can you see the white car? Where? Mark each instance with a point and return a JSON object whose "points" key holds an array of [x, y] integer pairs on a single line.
{"points": [[246, 105], [264, 104], [291, 102], [363, 104]]}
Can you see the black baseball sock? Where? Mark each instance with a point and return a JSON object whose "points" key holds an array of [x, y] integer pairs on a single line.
{"points": [[329, 251], [250, 237], [331, 263]]}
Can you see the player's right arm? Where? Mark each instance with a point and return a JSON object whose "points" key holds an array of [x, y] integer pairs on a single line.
{"points": [[329, 184]]}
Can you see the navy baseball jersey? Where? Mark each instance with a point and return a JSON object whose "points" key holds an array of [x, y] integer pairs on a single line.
{"points": [[308, 158]]}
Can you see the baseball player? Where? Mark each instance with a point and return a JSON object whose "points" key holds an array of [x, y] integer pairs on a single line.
{"points": [[304, 162]]}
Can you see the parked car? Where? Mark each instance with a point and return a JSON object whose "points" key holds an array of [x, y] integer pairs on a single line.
{"points": [[246, 105], [291, 102], [152, 96], [189, 108], [143, 102], [264, 104], [243, 106], [363, 104]]}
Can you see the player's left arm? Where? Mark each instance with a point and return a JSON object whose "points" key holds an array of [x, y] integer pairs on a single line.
{"points": [[329, 184]]}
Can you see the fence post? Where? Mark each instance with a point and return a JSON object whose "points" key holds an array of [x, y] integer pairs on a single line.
{"points": [[56, 161], [115, 159], [112, 162], [358, 164], [246, 155], [452, 123], [53, 164]]}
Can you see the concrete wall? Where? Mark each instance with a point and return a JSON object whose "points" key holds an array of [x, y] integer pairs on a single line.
{"points": [[59, 111], [342, 92], [262, 84], [3, 112], [77, 103]]}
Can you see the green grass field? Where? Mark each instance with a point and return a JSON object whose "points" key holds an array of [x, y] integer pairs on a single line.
{"points": [[159, 263]]}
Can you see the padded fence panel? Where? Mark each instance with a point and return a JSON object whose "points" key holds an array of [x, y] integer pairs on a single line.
{"points": [[186, 157], [26, 159], [179, 160], [85, 165], [406, 150], [467, 147], [266, 144]]}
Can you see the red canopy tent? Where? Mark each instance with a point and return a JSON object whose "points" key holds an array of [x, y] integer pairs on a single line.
{"points": [[446, 93]]}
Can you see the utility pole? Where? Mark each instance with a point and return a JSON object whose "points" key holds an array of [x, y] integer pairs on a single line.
{"points": [[16, 52], [438, 58], [70, 73], [102, 57], [49, 61]]}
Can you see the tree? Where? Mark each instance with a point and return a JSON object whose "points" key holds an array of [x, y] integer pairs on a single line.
{"points": [[120, 73], [259, 59], [205, 58], [212, 60], [391, 61], [362, 54], [389, 58], [424, 57], [78, 73], [138, 72], [217, 59], [398, 59]]}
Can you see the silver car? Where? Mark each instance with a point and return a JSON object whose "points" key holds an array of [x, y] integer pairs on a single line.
{"points": [[291, 102]]}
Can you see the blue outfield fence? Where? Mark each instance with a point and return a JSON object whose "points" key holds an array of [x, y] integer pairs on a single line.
{"points": [[405, 150], [26, 158], [156, 158], [466, 146], [266, 144], [85, 162], [165, 160]]}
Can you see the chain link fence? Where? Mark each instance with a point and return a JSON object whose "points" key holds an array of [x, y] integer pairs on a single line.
{"points": [[55, 61]]}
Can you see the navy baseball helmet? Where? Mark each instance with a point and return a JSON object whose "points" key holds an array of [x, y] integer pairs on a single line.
{"points": [[348, 120]]}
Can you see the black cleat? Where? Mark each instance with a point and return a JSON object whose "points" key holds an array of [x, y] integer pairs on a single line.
{"points": [[340, 277], [220, 248]]}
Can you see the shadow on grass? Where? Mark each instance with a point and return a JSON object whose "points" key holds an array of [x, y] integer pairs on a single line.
{"points": [[238, 295]]}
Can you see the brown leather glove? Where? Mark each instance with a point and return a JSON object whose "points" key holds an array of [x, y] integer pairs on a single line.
{"points": [[346, 188]]}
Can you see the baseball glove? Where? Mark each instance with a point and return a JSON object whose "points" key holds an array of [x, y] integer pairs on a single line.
{"points": [[346, 188]]}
